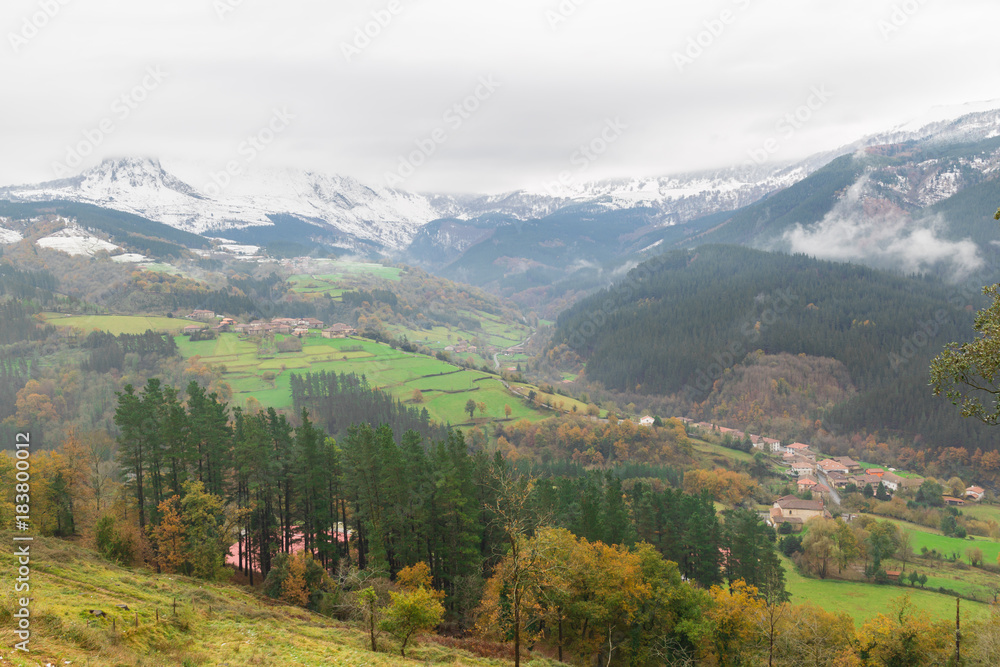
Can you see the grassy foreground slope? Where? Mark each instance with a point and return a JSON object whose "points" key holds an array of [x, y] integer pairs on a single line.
{"points": [[215, 624]]}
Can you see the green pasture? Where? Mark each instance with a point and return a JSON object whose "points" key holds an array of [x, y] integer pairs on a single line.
{"points": [[116, 324], [863, 601], [982, 512], [446, 388]]}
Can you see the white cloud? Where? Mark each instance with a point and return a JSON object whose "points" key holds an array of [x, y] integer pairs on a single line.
{"points": [[883, 236], [611, 58]]}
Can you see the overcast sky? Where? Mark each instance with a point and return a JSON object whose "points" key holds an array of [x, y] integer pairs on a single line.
{"points": [[561, 74]]}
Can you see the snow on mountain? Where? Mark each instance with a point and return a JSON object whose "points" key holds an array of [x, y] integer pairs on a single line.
{"points": [[8, 236], [141, 186], [75, 241], [392, 218]]}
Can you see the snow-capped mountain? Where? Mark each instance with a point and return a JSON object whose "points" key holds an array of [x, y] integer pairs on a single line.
{"points": [[141, 186], [389, 219]]}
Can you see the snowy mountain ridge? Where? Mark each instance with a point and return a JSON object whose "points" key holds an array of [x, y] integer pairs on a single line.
{"points": [[390, 218]]}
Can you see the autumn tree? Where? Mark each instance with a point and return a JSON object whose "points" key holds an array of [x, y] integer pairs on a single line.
{"points": [[169, 539], [516, 575], [904, 636], [412, 612], [819, 544], [736, 634], [368, 605], [293, 588]]}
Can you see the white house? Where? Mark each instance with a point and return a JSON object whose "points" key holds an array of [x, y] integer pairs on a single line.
{"points": [[646, 420], [803, 467], [773, 446]]}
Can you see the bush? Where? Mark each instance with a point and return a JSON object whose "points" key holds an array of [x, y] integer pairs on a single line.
{"points": [[115, 544]]}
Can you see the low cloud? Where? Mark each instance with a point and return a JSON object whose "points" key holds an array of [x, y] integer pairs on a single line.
{"points": [[870, 231]]}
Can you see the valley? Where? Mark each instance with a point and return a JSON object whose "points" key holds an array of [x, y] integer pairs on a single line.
{"points": [[569, 428]]}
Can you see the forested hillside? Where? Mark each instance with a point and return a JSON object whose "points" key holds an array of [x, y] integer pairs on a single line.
{"points": [[689, 316]]}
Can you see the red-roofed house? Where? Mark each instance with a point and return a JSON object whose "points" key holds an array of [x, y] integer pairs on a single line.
{"points": [[975, 492], [830, 465], [296, 546], [806, 483]]}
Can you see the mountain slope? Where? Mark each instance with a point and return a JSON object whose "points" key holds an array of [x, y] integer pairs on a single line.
{"points": [[214, 623], [688, 316], [142, 187]]}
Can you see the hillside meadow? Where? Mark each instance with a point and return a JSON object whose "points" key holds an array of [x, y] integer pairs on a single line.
{"points": [[445, 388], [214, 623]]}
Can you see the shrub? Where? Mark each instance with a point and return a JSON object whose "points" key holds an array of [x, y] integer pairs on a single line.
{"points": [[115, 544]]}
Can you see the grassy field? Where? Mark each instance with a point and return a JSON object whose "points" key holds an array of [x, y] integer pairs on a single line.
{"points": [[334, 274], [863, 601], [445, 388], [215, 624], [116, 324], [493, 331], [713, 456], [941, 572], [982, 512]]}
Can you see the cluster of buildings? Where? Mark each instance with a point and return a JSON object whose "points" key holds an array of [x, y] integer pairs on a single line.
{"points": [[279, 325], [759, 442], [461, 348], [819, 475]]}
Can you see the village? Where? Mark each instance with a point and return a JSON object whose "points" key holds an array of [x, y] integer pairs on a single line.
{"points": [[279, 325], [819, 479]]}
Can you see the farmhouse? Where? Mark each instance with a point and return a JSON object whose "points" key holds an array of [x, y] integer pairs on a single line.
{"points": [[806, 483], [974, 493], [852, 465], [861, 481], [202, 315], [338, 330], [646, 420], [192, 328], [801, 449], [831, 465], [802, 467], [838, 479], [796, 511], [892, 481], [772, 445]]}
